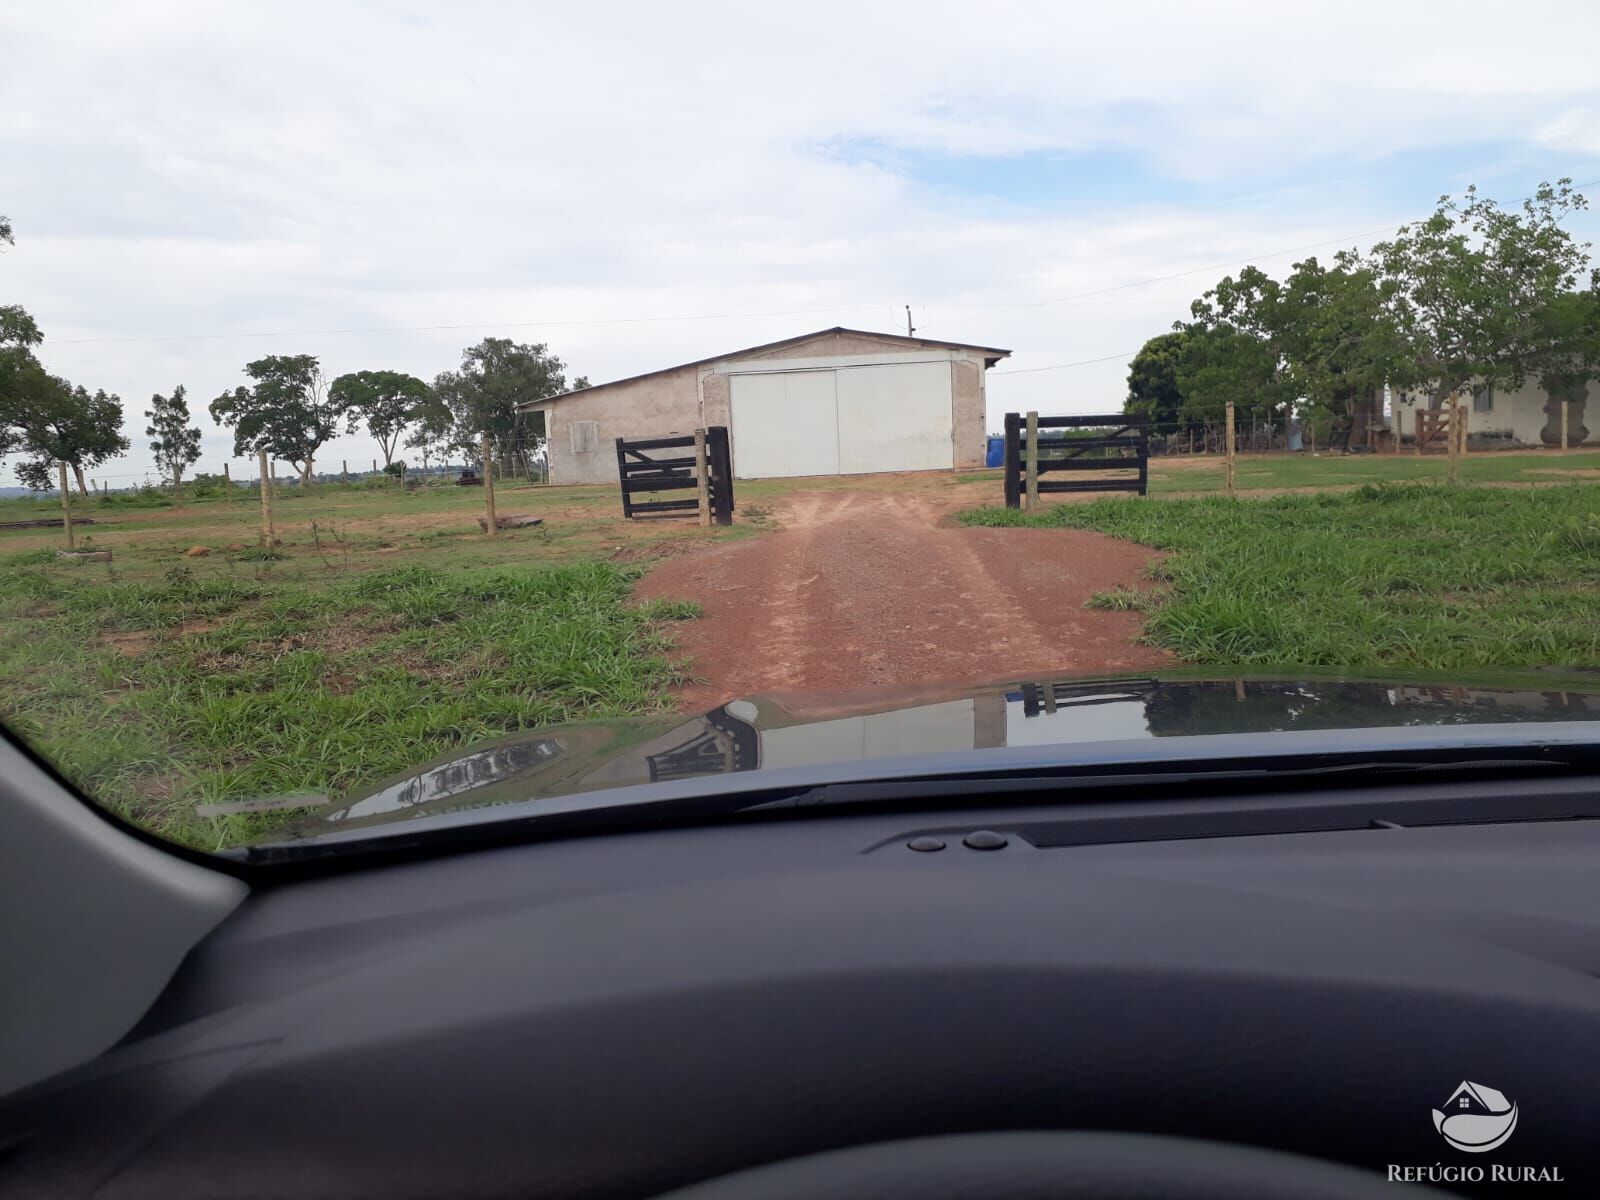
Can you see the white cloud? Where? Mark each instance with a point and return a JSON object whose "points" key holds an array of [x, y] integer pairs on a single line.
{"points": [[191, 168]]}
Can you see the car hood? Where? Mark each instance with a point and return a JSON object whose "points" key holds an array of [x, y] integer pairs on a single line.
{"points": [[766, 739]]}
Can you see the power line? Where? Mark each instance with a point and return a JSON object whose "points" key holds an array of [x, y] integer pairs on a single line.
{"points": [[1082, 362]]}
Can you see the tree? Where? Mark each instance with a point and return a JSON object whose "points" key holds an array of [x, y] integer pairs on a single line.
{"points": [[1153, 390], [495, 376], [387, 400], [21, 376], [1472, 283], [432, 428], [174, 442], [67, 424], [288, 412], [1223, 362], [1340, 341], [1234, 350], [1570, 358]]}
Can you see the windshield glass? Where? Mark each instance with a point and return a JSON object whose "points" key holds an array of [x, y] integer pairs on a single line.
{"points": [[438, 409]]}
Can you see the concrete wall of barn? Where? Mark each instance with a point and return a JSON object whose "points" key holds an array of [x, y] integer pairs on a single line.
{"points": [[680, 401]]}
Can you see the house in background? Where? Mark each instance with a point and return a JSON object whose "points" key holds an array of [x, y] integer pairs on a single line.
{"points": [[1523, 416], [835, 402]]}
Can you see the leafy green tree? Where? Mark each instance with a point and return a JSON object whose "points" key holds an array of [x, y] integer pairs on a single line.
{"points": [[1234, 350], [287, 411], [1570, 358], [1340, 341], [67, 424], [21, 376], [387, 400], [1472, 284], [1223, 362], [174, 442], [495, 376], [432, 428], [1153, 390]]}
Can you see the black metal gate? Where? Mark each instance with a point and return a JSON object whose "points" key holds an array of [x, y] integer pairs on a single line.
{"points": [[1125, 451], [643, 475]]}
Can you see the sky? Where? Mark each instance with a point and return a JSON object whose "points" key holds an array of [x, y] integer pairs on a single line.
{"points": [[196, 185]]}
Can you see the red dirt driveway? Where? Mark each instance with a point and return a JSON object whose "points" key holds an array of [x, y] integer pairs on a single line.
{"points": [[864, 589]]}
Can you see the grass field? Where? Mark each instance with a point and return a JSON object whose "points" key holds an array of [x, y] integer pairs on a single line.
{"points": [[1390, 575], [1192, 476], [386, 629]]}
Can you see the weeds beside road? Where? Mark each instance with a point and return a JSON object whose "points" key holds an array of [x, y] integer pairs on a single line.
{"points": [[1389, 575], [157, 696]]}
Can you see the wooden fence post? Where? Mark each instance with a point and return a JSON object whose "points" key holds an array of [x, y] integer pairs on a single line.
{"points": [[1563, 424], [1452, 444], [1033, 461], [702, 490], [488, 487], [402, 476], [268, 534], [66, 504], [344, 471], [1229, 445], [1013, 462]]}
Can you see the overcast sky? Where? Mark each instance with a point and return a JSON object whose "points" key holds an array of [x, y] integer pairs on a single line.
{"points": [[381, 184]]}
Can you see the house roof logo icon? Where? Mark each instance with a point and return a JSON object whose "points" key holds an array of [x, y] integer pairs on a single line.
{"points": [[1476, 1118]]}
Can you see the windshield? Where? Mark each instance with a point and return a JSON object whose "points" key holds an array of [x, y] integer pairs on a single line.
{"points": [[413, 410]]}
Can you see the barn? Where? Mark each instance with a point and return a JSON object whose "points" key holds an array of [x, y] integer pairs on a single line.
{"points": [[835, 402]]}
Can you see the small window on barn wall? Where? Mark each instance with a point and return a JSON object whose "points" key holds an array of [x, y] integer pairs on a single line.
{"points": [[1483, 400], [585, 436]]}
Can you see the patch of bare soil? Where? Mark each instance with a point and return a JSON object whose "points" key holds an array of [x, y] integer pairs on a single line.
{"points": [[130, 643], [1567, 472], [868, 588], [667, 547]]}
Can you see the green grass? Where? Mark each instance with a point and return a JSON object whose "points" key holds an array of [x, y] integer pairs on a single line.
{"points": [[204, 687], [1340, 470], [1408, 575]]}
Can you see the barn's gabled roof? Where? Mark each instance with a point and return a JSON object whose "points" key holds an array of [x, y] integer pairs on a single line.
{"points": [[992, 354]]}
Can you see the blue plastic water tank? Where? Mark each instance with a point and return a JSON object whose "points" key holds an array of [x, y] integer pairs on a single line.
{"points": [[996, 457]]}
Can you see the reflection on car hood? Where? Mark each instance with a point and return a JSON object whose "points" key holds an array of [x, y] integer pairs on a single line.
{"points": [[764, 734]]}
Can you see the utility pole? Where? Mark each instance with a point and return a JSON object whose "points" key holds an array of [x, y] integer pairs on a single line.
{"points": [[910, 328]]}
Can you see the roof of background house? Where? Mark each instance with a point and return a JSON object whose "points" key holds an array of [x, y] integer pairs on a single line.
{"points": [[993, 351]]}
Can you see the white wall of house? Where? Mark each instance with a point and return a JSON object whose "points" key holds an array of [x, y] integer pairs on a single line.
{"points": [[1517, 412]]}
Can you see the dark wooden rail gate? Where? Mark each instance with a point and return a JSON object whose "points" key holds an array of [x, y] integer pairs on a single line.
{"points": [[642, 475], [1126, 449]]}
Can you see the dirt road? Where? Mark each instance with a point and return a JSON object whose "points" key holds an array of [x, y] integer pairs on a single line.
{"points": [[867, 588]]}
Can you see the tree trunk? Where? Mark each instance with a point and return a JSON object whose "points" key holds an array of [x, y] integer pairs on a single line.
{"points": [[1576, 393], [305, 473], [83, 488]]}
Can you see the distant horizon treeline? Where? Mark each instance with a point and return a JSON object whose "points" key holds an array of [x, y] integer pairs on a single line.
{"points": [[289, 408]]}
